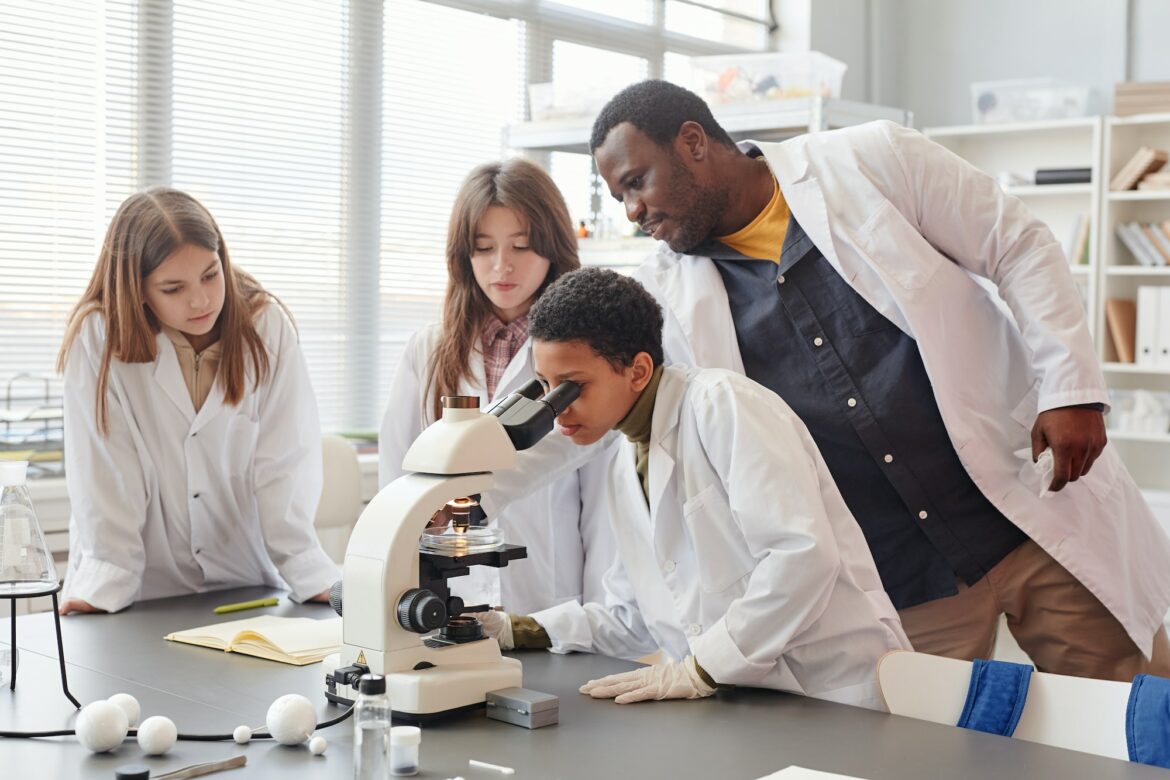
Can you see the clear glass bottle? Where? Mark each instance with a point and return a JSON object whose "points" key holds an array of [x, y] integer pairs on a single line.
{"points": [[371, 729], [26, 566]]}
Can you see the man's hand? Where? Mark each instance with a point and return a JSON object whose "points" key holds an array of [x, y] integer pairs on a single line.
{"points": [[322, 597], [69, 606], [1075, 435], [669, 680]]}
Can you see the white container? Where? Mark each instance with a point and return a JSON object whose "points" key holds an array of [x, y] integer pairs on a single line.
{"points": [[404, 741], [1028, 100], [746, 78], [547, 100]]}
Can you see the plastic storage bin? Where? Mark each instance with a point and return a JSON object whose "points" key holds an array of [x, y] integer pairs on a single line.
{"points": [[560, 101], [1028, 100], [744, 78]]}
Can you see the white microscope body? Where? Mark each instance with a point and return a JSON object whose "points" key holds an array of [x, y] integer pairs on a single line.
{"points": [[454, 457]]}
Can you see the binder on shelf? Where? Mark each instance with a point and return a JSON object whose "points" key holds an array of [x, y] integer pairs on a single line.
{"points": [[1148, 326], [1121, 317], [1162, 342], [1063, 175]]}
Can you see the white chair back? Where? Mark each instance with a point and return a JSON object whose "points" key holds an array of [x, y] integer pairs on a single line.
{"points": [[341, 496], [1069, 712]]}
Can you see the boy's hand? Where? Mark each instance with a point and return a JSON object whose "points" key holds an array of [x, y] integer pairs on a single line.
{"points": [[669, 680]]}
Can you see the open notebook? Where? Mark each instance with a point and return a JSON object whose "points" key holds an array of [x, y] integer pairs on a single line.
{"points": [[296, 641]]}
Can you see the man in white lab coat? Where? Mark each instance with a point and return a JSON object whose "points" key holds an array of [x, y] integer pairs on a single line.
{"points": [[837, 269], [736, 554]]}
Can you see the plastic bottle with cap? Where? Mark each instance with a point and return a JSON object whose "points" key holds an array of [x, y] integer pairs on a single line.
{"points": [[26, 566], [371, 729]]}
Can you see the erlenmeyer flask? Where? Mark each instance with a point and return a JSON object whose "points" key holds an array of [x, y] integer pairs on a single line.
{"points": [[26, 567]]}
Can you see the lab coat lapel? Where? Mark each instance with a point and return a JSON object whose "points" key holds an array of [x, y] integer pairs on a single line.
{"points": [[170, 377], [662, 437], [212, 406]]}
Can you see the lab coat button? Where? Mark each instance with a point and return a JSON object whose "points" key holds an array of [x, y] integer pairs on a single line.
{"points": [[668, 567], [922, 515], [694, 629], [888, 459], [852, 402], [196, 495], [818, 341]]}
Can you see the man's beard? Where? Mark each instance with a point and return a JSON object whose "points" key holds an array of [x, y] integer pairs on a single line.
{"points": [[697, 211]]}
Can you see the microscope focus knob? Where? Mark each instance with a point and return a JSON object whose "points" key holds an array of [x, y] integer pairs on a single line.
{"points": [[421, 611], [335, 597]]}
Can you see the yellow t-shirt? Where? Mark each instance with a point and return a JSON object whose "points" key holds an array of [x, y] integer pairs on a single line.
{"points": [[763, 237]]}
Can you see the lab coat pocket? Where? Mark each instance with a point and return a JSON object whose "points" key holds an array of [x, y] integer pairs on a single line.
{"points": [[1102, 478], [898, 249], [1026, 410], [721, 555]]}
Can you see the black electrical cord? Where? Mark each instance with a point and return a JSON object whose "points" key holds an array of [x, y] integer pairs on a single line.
{"points": [[181, 737]]}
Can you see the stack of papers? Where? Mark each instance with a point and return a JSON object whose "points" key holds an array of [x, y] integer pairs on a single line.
{"points": [[297, 641]]}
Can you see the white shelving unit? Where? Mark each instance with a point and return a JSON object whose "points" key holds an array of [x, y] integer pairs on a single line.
{"points": [[762, 121], [1103, 144]]}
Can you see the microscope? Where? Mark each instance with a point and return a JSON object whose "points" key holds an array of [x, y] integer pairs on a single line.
{"points": [[399, 618]]}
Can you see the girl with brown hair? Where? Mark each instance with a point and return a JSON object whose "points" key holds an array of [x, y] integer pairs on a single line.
{"points": [[509, 237], [192, 443]]}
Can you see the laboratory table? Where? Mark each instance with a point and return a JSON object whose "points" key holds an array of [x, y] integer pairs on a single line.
{"points": [[738, 734]]}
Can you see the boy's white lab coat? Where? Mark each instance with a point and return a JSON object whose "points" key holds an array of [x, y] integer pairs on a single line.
{"points": [[907, 224], [174, 502], [747, 557], [568, 539]]}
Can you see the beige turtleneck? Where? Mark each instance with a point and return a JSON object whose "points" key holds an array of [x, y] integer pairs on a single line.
{"points": [[198, 368]]}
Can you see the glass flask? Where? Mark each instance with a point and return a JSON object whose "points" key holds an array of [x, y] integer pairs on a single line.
{"points": [[26, 566]]}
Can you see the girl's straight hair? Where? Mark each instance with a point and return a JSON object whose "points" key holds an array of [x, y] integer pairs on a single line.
{"points": [[148, 228], [526, 189]]}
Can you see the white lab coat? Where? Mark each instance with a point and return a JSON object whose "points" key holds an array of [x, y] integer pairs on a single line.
{"points": [[747, 556], [909, 225], [174, 502], [568, 538]]}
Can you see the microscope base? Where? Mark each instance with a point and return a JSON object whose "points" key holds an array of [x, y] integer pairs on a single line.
{"points": [[440, 691]]}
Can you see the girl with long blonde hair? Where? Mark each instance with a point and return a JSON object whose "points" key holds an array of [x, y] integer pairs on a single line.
{"points": [[192, 442], [509, 237]]}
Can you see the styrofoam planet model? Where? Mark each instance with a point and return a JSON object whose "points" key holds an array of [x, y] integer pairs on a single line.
{"points": [[157, 735], [101, 726], [242, 735], [291, 719], [317, 745], [129, 705]]}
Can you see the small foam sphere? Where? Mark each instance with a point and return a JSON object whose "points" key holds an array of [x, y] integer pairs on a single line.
{"points": [[242, 735], [101, 726], [129, 705], [291, 719], [157, 735], [317, 745]]}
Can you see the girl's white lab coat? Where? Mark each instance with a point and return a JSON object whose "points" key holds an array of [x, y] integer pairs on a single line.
{"points": [[173, 501], [747, 556], [568, 539], [909, 225]]}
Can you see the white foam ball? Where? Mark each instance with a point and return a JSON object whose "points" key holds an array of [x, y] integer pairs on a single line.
{"points": [[242, 735], [317, 745], [129, 705], [101, 726], [157, 735], [291, 719]]}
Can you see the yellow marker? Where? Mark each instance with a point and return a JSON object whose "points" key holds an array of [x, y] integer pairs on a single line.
{"points": [[271, 602]]}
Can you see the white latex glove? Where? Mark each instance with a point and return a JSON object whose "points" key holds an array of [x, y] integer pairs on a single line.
{"points": [[668, 680], [497, 625]]}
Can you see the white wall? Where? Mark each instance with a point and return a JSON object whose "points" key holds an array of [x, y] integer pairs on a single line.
{"points": [[924, 54]]}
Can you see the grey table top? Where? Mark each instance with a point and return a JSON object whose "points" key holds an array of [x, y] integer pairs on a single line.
{"points": [[739, 734]]}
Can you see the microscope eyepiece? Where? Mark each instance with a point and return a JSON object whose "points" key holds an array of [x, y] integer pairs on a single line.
{"points": [[562, 396]]}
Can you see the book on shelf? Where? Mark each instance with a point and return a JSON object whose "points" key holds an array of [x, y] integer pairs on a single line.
{"points": [[297, 641], [1063, 175], [1159, 241], [1076, 248], [1121, 318], [1140, 244], [1145, 160], [1141, 97], [1155, 181]]}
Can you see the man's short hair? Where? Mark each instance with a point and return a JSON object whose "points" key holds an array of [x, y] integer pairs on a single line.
{"points": [[611, 313], [657, 108]]}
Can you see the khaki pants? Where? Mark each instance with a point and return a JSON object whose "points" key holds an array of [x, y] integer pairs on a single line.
{"points": [[1055, 619]]}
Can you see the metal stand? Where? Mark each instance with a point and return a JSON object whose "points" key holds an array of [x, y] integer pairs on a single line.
{"points": [[60, 644]]}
